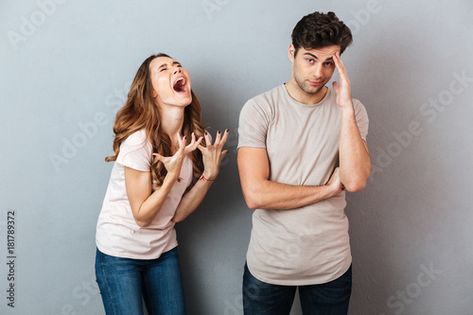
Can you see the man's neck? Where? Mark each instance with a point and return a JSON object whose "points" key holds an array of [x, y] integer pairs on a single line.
{"points": [[301, 96]]}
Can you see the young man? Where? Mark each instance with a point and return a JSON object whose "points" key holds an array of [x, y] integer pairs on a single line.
{"points": [[300, 146]]}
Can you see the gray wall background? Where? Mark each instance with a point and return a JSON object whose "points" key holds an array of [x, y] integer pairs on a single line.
{"points": [[66, 67]]}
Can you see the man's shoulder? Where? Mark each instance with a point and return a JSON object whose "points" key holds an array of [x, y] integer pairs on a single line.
{"points": [[265, 99], [358, 106]]}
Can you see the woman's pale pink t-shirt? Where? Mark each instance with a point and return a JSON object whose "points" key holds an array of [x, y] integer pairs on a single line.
{"points": [[117, 232]]}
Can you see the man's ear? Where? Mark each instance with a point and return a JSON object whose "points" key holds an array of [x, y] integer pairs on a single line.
{"points": [[291, 53]]}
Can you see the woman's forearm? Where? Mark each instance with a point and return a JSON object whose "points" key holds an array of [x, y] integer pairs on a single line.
{"points": [[151, 206], [192, 199]]}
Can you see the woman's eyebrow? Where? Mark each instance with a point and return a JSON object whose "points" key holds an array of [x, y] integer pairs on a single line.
{"points": [[173, 63]]}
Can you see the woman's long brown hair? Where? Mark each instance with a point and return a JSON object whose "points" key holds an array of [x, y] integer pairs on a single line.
{"points": [[141, 112]]}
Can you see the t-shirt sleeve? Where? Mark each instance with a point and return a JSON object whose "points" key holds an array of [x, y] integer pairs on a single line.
{"points": [[135, 152], [252, 126], [362, 119]]}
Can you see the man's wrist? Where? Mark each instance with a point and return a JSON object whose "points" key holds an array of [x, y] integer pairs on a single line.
{"points": [[347, 107], [348, 111], [330, 190]]}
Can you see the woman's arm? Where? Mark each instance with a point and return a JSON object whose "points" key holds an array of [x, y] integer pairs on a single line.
{"points": [[192, 199], [212, 155], [145, 203]]}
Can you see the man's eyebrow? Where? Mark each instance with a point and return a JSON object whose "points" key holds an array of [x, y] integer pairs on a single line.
{"points": [[315, 57]]}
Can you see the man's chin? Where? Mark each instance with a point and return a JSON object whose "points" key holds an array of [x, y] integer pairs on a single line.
{"points": [[312, 90]]}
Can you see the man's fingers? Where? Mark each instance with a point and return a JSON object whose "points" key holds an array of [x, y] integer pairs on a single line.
{"points": [[335, 86], [340, 65]]}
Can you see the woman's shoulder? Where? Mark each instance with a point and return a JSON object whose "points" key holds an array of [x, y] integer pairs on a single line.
{"points": [[137, 138]]}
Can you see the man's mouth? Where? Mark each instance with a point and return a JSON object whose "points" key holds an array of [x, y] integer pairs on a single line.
{"points": [[316, 83]]}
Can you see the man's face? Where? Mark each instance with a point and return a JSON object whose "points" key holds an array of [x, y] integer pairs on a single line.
{"points": [[312, 68]]}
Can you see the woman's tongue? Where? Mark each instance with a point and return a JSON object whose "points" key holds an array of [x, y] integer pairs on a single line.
{"points": [[179, 86]]}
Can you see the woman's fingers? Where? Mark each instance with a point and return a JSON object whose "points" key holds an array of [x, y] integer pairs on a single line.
{"points": [[218, 137], [220, 140], [158, 156], [193, 145], [188, 146], [201, 148], [181, 141], [208, 138], [223, 154], [225, 137], [197, 143]]}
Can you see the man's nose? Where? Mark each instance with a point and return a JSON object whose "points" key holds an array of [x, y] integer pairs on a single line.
{"points": [[318, 71]]}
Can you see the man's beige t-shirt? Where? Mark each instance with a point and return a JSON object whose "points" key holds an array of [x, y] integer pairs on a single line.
{"points": [[308, 245]]}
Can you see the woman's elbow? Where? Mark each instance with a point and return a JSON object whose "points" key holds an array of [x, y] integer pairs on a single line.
{"points": [[142, 223], [178, 218]]}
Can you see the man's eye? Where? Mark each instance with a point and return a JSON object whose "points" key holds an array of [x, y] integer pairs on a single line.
{"points": [[328, 64], [311, 61], [162, 69]]}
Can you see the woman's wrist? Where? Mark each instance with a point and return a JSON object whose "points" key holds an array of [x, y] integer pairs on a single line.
{"points": [[170, 178], [208, 177]]}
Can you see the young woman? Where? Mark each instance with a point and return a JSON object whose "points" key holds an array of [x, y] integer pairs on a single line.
{"points": [[164, 166]]}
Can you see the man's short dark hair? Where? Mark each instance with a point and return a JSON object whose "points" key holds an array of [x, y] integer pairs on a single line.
{"points": [[317, 30]]}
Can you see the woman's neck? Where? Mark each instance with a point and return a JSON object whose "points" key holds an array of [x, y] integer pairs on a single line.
{"points": [[172, 119]]}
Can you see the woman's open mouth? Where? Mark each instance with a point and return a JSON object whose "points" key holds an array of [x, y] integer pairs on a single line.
{"points": [[179, 85]]}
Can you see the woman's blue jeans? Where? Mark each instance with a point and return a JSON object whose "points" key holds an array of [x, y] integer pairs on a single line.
{"points": [[125, 282]]}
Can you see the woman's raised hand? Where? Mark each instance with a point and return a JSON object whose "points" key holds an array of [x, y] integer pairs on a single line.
{"points": [[213, 153], [173, 163]]}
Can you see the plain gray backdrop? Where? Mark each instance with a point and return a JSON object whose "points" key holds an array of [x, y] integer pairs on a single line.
{"points": [[66, 67]]}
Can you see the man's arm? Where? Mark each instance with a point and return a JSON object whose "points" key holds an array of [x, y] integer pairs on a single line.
{"points": [[355, 163], [261, 193]]}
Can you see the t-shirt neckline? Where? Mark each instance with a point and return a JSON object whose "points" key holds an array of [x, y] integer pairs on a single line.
{"points": [[315, 105]]}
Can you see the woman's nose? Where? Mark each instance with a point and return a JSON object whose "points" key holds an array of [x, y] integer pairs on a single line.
{"points": [[177, 70]]}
